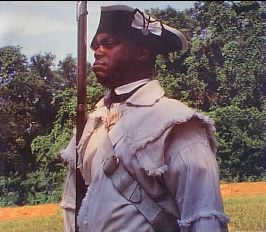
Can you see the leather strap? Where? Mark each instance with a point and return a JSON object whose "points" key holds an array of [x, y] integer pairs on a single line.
{"points": [[130, 189]]}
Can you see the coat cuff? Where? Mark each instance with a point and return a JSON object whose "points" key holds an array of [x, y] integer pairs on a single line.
{"points": [[184, 224]]}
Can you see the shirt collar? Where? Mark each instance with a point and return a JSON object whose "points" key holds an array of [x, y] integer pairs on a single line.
{"points": [[131, 86], [146, 95]]}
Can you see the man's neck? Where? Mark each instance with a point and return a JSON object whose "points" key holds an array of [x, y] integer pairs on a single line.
{"points": [[131, 76]]}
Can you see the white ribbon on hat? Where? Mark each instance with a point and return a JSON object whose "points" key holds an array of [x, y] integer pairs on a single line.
{"points": [[148, 25], [151, 25]]}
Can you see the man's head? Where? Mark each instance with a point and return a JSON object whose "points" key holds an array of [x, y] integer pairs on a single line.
{"points": [[119, 60], [126, 43]]}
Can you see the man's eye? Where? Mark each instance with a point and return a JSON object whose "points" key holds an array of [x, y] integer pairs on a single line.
{"points": [[108, 43]]}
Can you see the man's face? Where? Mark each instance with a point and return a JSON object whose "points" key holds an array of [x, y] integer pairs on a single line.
{"points": [[114, 59]]}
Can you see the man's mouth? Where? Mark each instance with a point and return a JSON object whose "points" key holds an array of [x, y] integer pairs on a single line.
{"points": [[98, 65]]}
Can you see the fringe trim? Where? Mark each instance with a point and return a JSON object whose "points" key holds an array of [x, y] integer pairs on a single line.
{"points": [[69, 153], [210, 129], [187, 222]]}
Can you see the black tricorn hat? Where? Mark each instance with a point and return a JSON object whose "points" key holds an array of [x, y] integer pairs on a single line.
{"points": [[141, 28]]}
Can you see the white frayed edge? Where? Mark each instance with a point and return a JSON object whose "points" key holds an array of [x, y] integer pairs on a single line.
{"points": [[69, 157], [187, 222], [157, 172], [69, 153], [210, 129]]}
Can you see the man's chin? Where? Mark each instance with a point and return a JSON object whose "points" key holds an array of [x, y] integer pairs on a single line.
{"points": [[103, 79]]}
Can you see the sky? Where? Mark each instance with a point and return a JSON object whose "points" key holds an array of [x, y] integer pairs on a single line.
{"points": [[51, 26]]}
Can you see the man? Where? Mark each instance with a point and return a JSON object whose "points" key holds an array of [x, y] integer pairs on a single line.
{"points": [[149, 161]]}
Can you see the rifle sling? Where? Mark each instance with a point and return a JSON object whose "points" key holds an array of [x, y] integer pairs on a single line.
{"points": [[130, 189]]}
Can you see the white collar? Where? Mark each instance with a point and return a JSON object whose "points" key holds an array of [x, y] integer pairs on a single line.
{"points": [[131, 86], [148, 95]]}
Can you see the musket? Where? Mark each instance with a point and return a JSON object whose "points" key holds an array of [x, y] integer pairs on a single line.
{"points": [[81, 94]]}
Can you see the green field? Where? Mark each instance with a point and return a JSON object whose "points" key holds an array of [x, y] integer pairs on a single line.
{"points": [[248, 214], [52, 223]]}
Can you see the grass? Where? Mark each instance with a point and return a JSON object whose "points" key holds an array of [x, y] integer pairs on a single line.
{"points": [[52, 223], [247, 214]]}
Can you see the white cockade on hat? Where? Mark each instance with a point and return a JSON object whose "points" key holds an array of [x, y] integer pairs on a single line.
{"points": [[147, 24]]}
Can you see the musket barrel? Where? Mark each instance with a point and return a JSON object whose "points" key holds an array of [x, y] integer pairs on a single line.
{"points": [[81, 94]]}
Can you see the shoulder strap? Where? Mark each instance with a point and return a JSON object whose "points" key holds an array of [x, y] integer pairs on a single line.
{"points": [[129, 188]]}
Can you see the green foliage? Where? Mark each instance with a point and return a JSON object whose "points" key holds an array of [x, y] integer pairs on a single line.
{"points": [[25, 112], [239, 133], [41, 186], [50, 173], [67, 69], [233, 44], [11, 62], [44, 185], [9, 192], [222, 73], [43, 64], [37, 118], [62, 127]]}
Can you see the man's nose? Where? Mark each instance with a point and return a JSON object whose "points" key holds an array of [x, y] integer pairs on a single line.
{"points": [[99, 52]]}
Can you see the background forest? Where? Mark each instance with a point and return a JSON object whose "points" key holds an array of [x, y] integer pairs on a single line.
{"points": [[221, 74]]}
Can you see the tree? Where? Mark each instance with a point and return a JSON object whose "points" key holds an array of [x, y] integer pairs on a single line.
{"points": [[11, 62], [43, 64], [67, 69], [17, 102], [222, 73], [26, 111]]}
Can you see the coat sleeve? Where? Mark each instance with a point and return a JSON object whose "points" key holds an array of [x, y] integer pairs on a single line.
{"points": [[69, 153], [192, 178]]}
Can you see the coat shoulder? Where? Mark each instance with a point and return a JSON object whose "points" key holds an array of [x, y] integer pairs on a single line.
{"points": [[172, 109]]}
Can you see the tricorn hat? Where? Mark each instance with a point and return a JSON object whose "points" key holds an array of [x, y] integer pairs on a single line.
{"points": [[141, 28]]}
